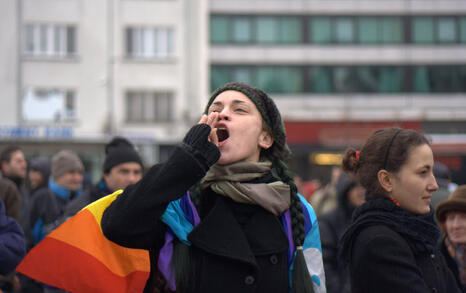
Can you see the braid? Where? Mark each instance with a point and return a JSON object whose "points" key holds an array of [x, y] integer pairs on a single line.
{"points": [[296, 209], [301, 280]]}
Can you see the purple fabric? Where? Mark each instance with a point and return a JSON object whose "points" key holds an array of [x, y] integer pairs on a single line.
{"points": [[190, 210], [166, 252], [165, 259], [286, 221], [307, 219]]}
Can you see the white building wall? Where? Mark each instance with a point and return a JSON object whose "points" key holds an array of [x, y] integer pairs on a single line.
{"points": [[8, 62]]}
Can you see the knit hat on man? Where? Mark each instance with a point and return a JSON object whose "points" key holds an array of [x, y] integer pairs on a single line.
{"points": [[269, 112], [65, 161], [119, 151]]}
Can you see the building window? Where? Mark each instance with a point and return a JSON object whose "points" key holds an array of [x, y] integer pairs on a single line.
{"points": [[462, 25], [345, 79], [321, 30], [50, 40], [49, 105], [242, 30], [344, 30], [219, 28], [149, 43], [149, 107], [379, 30], [446, 30]]}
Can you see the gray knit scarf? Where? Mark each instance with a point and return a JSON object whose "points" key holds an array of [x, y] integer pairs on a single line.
{"points": [[227, 181]]}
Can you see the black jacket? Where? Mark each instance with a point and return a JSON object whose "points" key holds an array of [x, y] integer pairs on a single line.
{"points": [[392, 251], [235, 248], [451, 263], [332, 225]]}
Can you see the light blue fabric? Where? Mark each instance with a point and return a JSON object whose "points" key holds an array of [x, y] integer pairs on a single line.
{"points": [[175, 218], [61, 192]]}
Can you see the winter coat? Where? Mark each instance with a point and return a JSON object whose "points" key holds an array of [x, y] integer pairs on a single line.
{"points": [[332, 225], [10, 196], [12, 243], [451, 263], [395, 251], [235, 247]]}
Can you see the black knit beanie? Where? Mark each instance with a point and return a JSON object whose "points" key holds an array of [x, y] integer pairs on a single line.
{"points": [[119, 151], [269, 112]]}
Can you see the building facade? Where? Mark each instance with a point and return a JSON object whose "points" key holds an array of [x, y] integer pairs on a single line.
{"points": [[77, 72], [339, 70]]}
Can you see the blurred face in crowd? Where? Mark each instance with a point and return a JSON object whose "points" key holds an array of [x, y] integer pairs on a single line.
{"points": [[413, 185], [357, 195], [16, 167], [35, 178], [123, 175], [71, 180], [455, 224], [240, 132]]}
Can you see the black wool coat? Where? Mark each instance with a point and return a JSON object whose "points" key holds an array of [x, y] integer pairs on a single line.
{"points": [[383, 261], [235, 248], [451, 263]]}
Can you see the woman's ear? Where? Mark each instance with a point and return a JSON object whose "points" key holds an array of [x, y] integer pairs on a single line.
{"points": [[265, 140], [385, 180]]}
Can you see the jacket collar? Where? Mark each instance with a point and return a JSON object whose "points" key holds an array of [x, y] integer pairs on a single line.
{"points": [[220, 233]]}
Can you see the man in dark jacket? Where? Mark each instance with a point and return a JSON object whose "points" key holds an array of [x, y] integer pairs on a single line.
{"points": [[39, 173], [13, 165], [332, 224], [122, 167]]}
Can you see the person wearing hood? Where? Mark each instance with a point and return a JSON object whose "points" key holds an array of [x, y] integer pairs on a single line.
{"points": [[332, 224], [39, 173], [451, 215]]}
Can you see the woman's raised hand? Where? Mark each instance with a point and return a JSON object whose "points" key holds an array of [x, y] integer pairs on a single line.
{"points": [[211, 120]]}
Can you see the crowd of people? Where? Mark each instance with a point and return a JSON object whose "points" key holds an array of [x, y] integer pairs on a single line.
{"points": [[223, 213]]}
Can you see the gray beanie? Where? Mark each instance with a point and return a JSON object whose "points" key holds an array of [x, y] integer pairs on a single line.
{"points": [[65, 161]]}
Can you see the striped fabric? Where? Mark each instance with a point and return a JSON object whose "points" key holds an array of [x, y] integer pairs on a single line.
{"points": [[77, 257]]}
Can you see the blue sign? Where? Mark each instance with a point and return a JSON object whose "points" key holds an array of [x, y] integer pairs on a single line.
{"points": [[35, 132]]}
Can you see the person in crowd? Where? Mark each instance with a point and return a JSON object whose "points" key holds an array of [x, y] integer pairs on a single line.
{"points": [[222, 214], [391, 245], [122, 167], [39, 173], [451, 214], [443, 177], [12, 250], [10, 196], [14, 167], [325, 199], [49, 204], [332, 225]]}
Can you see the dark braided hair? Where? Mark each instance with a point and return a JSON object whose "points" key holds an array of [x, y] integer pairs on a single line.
{"points": [[277, 153]]}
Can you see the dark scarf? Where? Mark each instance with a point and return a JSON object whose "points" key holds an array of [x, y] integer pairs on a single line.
{"points": [[420, 231]]}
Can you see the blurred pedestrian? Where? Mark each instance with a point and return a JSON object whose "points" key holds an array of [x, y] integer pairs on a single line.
{"points": [[39, 173], [14, 167], [325, 199], [391, 244], [49, 204], [451, 214], [443, 176], [10, 196], [222, 214], [122, 167], [12, 250], [332, 225]]}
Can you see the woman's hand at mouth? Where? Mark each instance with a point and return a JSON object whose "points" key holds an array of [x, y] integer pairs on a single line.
{"points": [[211, 120]]}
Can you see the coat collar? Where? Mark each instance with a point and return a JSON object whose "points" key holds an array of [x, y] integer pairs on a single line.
{"points": [[220, 233]]}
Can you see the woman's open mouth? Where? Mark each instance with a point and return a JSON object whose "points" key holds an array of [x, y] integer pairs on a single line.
{"points": [[222, 134]]}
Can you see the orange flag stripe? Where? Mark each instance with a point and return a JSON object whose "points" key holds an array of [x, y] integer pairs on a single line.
{"points": [[70, 268], [83, 232]]}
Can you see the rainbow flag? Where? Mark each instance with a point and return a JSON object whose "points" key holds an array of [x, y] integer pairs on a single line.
{"points": [[77, 257]]}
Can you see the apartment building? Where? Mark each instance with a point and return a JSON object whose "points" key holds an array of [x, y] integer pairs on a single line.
{"points": [[340, 69], [77, 72]]}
